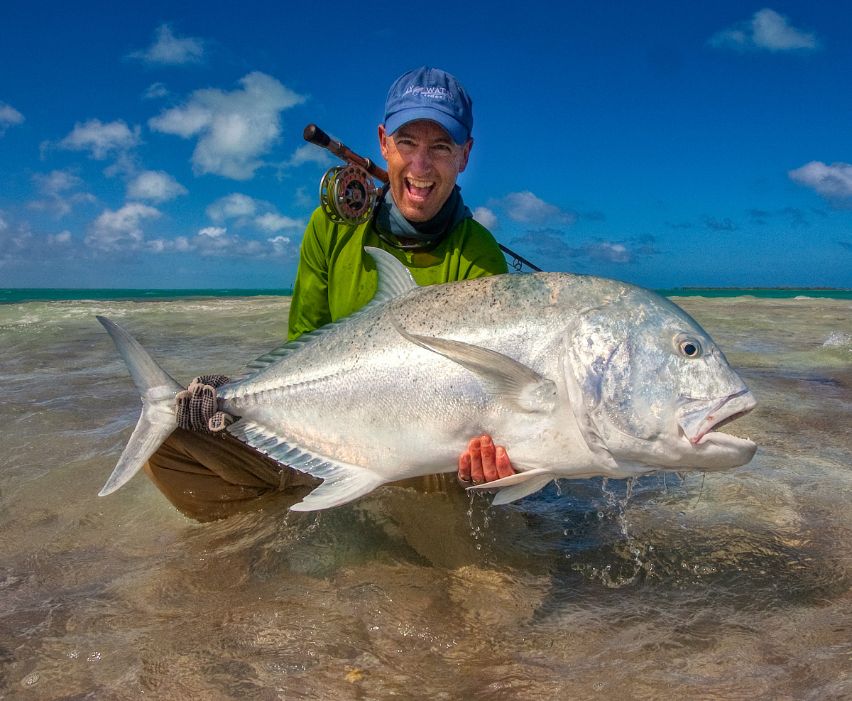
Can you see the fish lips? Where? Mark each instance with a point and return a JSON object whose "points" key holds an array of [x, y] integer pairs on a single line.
{"points": [[699, 418]]}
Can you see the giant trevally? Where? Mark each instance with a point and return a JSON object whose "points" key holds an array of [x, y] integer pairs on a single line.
{"points": [[576, 375]]}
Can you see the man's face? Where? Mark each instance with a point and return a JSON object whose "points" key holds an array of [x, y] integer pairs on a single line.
{"points": [[423, 164]]}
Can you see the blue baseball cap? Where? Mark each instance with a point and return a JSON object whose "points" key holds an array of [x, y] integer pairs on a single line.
{"points": [[430, 93]]}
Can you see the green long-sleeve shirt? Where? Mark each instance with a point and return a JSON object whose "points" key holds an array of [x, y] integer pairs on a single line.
{"points": [[336, 276]]}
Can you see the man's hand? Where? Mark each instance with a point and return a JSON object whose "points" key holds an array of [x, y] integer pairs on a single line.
{"points": [[484, 462], [196, 406]]}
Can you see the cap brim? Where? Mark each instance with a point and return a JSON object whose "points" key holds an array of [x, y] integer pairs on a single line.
{"points": [[457, 131]]}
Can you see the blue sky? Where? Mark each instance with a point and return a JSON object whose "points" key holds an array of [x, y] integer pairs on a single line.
{"points": [[664, 143]]}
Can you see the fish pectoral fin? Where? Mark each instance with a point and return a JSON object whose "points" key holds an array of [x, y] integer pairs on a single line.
{"points": [[502, 377], [342, 483], [516, 486]]}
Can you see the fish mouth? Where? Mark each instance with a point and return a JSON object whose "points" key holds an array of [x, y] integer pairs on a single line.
{"points": [[700, 422]]}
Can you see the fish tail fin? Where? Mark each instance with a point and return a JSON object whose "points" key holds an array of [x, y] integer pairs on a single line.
{"points": [[158, 419]]}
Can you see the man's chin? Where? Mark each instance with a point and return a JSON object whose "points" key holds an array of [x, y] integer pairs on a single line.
{"points": [[418, 214]]}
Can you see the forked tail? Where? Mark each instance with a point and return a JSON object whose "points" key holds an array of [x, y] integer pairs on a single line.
{"points": [[157, 421]]}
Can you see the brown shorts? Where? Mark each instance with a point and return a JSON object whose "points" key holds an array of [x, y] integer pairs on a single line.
{"points": [[209, 477]]}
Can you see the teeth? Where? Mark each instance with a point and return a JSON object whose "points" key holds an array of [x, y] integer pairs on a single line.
{"points": [[421, 183]]}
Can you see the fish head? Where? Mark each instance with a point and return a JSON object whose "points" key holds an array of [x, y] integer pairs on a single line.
{"points": [[655, 387]]}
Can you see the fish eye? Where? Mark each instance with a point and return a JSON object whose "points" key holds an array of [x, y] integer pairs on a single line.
{"points": [[688, 347]]}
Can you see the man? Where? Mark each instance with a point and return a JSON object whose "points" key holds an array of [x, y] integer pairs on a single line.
{"points": [[421, 219]]}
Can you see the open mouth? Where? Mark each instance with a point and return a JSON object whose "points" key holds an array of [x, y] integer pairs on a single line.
{"points": [[419, 190], [698, 425]]}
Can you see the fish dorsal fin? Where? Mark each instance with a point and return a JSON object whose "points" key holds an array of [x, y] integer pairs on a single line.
{"points": [[516, 486], [503, 377], [394, 280], [342, 483], [264, 361]]}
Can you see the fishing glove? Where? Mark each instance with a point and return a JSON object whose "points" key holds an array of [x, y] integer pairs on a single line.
{"points": [[196, 408]]}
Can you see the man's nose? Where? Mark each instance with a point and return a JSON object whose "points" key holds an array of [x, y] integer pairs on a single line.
{"points": [[421, 159]]}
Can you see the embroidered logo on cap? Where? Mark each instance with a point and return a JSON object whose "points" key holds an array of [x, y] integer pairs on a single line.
{"points": [[433, 93]]}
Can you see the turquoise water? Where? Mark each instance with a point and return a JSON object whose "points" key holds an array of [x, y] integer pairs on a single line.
{"points": [[758, 292], [37, 294], [17, 295]]}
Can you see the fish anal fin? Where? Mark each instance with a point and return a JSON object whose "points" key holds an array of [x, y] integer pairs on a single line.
{"points": [[516, 486], [341, 482], [502, 376]]}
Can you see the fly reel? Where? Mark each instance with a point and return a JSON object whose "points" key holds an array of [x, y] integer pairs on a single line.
{"points": [[347, 194]]}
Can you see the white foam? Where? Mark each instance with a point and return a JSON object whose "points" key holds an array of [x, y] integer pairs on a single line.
{"points": [[838, 339]]}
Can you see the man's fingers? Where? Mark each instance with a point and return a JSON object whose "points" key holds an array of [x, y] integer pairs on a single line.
{"points": [[504, 465], [464, 466], [474, 449], [488, 453]]}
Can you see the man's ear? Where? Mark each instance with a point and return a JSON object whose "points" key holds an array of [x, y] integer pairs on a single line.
{"points": [[465, 155], [383, 139]]}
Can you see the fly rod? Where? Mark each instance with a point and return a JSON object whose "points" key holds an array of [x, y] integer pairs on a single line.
{"points": [[348, 193]]}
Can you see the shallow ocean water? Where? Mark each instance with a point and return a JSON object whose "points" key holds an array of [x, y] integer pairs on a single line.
{"points": [[726, 586]]}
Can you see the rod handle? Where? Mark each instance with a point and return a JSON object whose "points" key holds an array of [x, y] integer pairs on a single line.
{"points": [[313, 134]]}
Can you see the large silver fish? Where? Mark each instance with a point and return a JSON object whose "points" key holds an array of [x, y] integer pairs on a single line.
{"points": [[576, 375]]}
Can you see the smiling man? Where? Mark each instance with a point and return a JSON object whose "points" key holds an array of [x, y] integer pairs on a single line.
{"points": [[421, 219]]}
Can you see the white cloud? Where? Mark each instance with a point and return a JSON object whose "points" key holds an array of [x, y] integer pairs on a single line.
{"points": [[485, 217], [117, 230], [216, 241], [308, 153], [233, 206], [234, 129], [281, 246], [247, 213], [526, 208], [609, 251], [273, 222], [56, 182], [57, 189], [766, 30], [303, 199], [171, 50], [19, 243], [9, 117], [99, 139], [3, 223], [155, 91], [63, 238], [213, 232], [154, 186], [833, 182]]}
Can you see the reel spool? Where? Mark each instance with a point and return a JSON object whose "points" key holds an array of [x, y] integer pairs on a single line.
{"points": [[347, 194]]}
